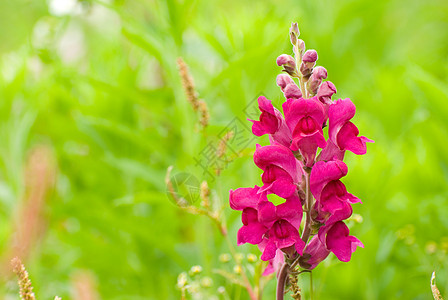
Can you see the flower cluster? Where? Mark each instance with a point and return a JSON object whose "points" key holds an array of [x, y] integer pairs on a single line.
{"points": [[303, 167]]}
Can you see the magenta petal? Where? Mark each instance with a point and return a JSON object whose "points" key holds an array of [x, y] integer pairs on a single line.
{"points": [[275, 263], [340, 243], [331, 152], [269, 251], [300, 108], [269, 121], [324, 172], [267, 213], [291, 211], [316, 251], [326, 91], [252, 234], [341, 131], [244, 197], [283, 188], [299, 245], [348, 139], [279, 156]]}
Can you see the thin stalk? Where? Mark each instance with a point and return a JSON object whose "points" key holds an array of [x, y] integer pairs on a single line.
{"points": [[252, 294], [281, 281], [309, 202]]}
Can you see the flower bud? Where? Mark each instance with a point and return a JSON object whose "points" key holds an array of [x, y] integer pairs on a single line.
{"points": [[182, 280], [283, 80], [292, 91], [315, 80], [310, 56], [237, 269], [286, 61], [326, 90], [301, 46], [206, 282], [224, 258], [313, 254], [294, 33], [308, 62], [251, 258], [195, 270]]}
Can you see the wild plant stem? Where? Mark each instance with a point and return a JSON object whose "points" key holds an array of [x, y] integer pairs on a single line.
{"points": [[252, 294], [281, 281]]}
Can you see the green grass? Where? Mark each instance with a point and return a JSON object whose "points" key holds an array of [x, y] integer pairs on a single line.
{"points": [[114, 115]]}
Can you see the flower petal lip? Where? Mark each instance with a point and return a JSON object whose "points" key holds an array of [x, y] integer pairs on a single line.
{"points": [[324, 172], [340, 243], [242, 198], [280, 156], [341, 131]]}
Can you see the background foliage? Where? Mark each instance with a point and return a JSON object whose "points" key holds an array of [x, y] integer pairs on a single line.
{"points": [[96, 83]]}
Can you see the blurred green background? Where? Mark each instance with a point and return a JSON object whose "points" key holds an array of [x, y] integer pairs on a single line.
{"points": [[95, 84]]}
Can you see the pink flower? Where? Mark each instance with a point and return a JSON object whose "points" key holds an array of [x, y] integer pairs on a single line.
{"points": [[315, 80], [274, 264], [304, 118], [341, 131], [314, 253], [336, 238], [326, 90], [288, 87], [331, 152], [271, 122], [308, 61], [282, 235], [282, 171], [287, 60], [246, 200], [290, 210], [333, 202]]}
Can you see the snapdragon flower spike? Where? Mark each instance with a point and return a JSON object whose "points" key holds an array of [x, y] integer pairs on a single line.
{"points": [[271, 122], [304, 118], [333, 202], [247, 200], [341, 131], [282, 171], [337, 239]]}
